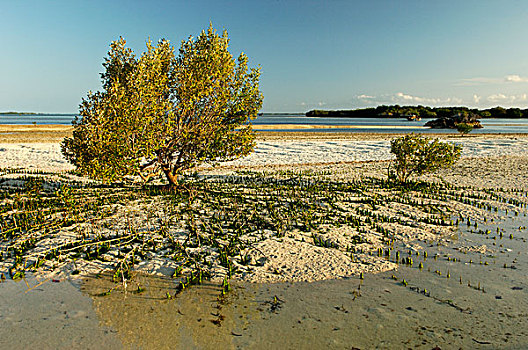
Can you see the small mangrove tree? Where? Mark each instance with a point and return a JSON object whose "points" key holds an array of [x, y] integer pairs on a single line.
{"points": [[417, 155], [164, 113]]}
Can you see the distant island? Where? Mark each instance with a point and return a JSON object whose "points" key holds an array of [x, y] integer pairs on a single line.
{"points": [[397, 111], [278, 114], [37, 114]]}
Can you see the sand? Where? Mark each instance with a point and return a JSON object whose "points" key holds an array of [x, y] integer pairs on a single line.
{"points": [[488, 161], [45, 156], [34, 133], [32, 148]]}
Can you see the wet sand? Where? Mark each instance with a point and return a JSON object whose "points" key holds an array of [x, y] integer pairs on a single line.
{"points": [[457, 298], [50, 316], [34, 133], [464, 298]]}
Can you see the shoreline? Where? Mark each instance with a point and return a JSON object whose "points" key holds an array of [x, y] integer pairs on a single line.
{"points": [[11, 133], [312, 126], [34, 133]]}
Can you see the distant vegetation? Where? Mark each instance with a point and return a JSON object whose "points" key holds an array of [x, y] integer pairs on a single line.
{"points": [[33, 113], [464, 128], [17, 113], [397, 111]]}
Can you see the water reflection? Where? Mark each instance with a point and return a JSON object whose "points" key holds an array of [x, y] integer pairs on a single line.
{"points": [[149, 320], [468, 292]]}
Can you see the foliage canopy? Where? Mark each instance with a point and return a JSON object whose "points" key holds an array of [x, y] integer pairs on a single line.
{"points": [[164, 112], [417, 155]]}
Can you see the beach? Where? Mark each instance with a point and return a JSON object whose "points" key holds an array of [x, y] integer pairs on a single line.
{"points": [[306, 233], [488, 161], [38, 147], [381, 201]]}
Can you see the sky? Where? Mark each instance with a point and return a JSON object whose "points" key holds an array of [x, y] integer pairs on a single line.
{"points": [[333, 54]]}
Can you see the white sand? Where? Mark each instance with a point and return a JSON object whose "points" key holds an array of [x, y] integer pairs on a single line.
{"points": [[301, 152], [33, 156], [500, 161], [47, 156]]}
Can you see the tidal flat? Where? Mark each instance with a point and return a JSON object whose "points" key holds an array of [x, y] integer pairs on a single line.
{"points": [[269, 256], [458, 293]]}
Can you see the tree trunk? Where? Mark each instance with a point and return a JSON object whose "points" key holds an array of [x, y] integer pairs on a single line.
{"points": [[170, 175]]}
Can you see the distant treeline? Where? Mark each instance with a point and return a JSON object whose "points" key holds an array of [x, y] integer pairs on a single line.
{"points": [[421, 111], [32, 113], [17, 113]]}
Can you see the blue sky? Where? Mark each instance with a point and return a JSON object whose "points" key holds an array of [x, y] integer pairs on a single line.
{"points": [[314, 54]]}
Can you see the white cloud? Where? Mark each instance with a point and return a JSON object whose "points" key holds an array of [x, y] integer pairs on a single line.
{"points": [[320, 104], [514, 78], [502, 98], [403, 98], [511, 78], [476, 98], [497, 97], [365, 97]]}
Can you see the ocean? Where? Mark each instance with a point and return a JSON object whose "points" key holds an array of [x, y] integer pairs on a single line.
{"points": [[398, 125]]}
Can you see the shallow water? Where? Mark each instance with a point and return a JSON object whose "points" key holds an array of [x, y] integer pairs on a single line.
{"points": [[482, 304], [52, 315], [378, 125]]}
